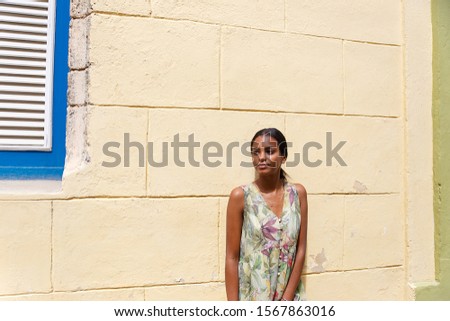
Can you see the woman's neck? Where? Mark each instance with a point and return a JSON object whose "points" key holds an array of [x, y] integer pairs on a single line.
{"points": [[269, 184]]}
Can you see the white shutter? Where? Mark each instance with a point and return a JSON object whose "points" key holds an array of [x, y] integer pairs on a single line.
{"points": [[26, 73]]}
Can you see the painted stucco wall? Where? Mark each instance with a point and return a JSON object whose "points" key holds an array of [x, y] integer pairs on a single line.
{"points": [[440, 290], [145, 71]]}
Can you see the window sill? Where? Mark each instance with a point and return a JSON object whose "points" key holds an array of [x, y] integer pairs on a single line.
{"points": [[30, 189]]}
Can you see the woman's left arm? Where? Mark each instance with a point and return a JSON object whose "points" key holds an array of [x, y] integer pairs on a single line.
{"points": [[296, 272]]}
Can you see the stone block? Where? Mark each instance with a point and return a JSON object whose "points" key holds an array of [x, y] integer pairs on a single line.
{"points": [[365, 20], [25, 244], [365, 154], [98, 295], [80, 8], [251, 13], [79, 43], [78, 87], [373, 82], [280, 72], [112, 243], [222, 236], [325, 247], [365, 285], [153, 62], [374, 231], [131, 7]]}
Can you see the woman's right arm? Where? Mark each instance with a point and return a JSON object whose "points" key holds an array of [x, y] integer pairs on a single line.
{"points": [[235, 211]]}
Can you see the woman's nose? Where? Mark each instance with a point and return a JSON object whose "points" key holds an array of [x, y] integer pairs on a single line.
{"points": [[262, 155]]}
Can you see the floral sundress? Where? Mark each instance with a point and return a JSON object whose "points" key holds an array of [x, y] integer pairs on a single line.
{"points": [[268, 246]]}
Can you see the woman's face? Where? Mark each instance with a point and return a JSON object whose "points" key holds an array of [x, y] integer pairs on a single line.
{"points": [[266, 155]]}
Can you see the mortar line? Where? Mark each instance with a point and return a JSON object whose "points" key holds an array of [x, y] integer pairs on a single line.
{"points": [[51, 247], [367, 42], [387, 267], [113, 288], [146, 154], [230, 109], [220, 67], [219, 268], [158, 197], [79, 69], [190, 283], [121, 14], [343, 77], [77, 106], [25, 294], [244, 27], [86, 15], [219, 195], [343, 231], [184, 284]]}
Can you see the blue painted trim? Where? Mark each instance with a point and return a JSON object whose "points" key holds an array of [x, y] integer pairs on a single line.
{"points": [[31, 173], [47, 164]]}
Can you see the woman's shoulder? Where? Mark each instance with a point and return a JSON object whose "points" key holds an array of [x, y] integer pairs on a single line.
{"points": [[237, 198], [301, 190], [238, 192]]}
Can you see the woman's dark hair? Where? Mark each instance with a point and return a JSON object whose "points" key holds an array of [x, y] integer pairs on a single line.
{"points": [[282, 145]]}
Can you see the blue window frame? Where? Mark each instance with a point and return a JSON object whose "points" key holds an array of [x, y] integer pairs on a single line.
{"points": [[18, 165]]}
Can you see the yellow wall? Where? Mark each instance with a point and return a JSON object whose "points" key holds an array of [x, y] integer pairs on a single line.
{"points": [[223, 70]]}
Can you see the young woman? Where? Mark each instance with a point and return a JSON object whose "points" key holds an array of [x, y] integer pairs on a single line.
{"points": [[266, 228]]}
